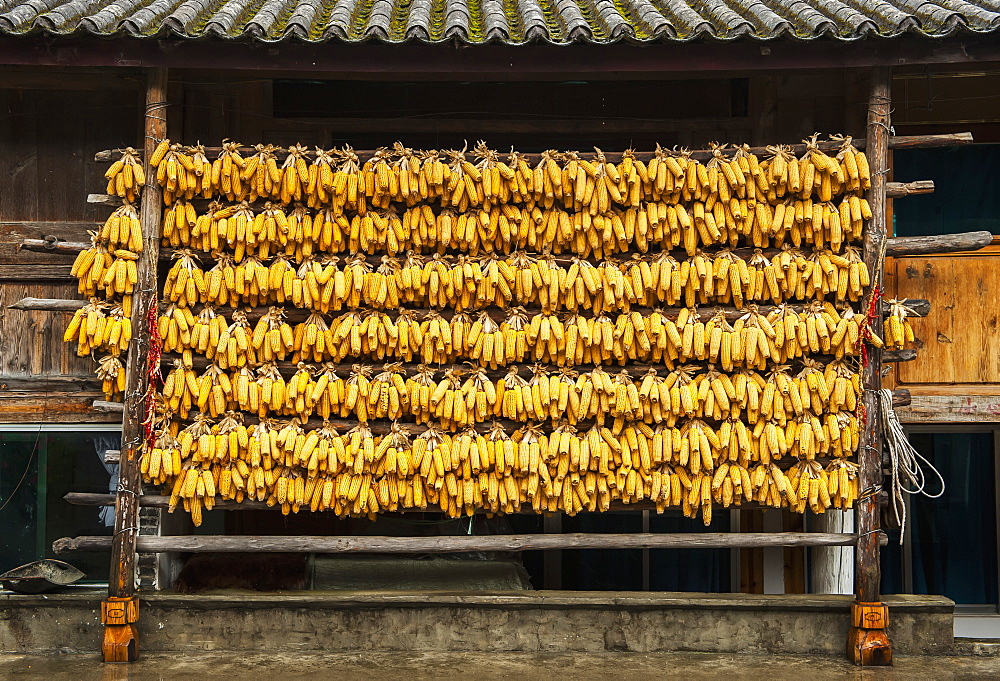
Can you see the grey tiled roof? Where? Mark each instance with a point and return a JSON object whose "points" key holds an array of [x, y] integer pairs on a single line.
{"points": [[500, 21]]}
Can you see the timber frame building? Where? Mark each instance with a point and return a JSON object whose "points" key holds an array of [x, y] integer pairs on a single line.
{"points": [[919, 82]]}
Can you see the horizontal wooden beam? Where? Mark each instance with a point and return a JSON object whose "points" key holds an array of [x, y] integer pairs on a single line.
{"points": [[898, 190], [942, 243], [54, 382], [919, 306], [900, 142], [568, 126], [900, 398], [35, 272], [459, 543], [48, 304], [53, 246], [958, 408], [907, 355], [108, 407], [373, 60], [62, 405]]}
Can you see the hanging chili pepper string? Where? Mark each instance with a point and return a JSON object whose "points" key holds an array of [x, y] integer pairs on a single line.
{"points": [[154, 378], [864, 338]]}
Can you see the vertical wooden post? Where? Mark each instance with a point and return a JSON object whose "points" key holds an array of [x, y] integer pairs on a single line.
{"points": [[867, 642], [120, 612]]}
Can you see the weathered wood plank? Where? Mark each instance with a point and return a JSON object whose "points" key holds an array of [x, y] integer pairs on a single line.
{"points": [[957, 338], [50, 382], [907, 355], [920, 308], [53, 406], [48, 304], [898, 190], [461, 543], [900, 398], [951, 409], [54, 245], [945, 243], [899, 142], [35, 272], [104, 200]]}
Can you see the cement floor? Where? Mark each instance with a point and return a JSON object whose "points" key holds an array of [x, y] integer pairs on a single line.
{"points": [[486, 667]]}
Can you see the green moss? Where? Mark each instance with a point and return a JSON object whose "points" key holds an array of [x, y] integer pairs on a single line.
{"points": [[249, 12], [435, 28], [397, 23], [477, 30], [552, 21], [359, 19], [638, 28], [512, 10], [201, 21], [321, 20]]}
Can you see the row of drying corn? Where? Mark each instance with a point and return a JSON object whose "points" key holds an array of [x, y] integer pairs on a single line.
{"points": [[460, 283], [339, 178], [462, 397], [357, 473], [268, 229]]}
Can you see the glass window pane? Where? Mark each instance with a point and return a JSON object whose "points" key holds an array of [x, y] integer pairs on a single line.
{"points": [[18, 498], [954, 538], [964, 198], [35, 515]]}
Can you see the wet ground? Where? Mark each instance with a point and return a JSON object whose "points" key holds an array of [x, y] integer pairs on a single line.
{"points": [[487, 667]]}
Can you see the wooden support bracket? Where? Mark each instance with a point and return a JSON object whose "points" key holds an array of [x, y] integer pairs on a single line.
{"points": [[868, 645], [121, 642]]}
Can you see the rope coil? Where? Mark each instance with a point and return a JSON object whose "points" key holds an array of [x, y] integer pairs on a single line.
{"points": [[908, 466]]}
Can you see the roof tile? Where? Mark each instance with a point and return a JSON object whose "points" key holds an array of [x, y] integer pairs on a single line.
{"points": [[500, 21]]}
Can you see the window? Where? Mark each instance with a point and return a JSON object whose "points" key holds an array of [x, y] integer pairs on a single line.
{"points": [[951, 542], [37, 468], [964, 198]]}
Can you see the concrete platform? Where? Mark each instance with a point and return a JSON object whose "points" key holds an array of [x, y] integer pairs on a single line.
{"points": [[489, 667], [524, 621]]}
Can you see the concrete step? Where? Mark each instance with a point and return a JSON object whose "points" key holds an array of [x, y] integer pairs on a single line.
{"points": [[513, 621], [979, 647]]}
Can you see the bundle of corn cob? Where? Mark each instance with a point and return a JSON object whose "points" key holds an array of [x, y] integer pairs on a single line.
{"points": [[566, 470], [457, 268]]}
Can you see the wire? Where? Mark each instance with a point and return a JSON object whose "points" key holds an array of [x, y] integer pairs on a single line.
{"points": [[27, 468], [908, 466]]}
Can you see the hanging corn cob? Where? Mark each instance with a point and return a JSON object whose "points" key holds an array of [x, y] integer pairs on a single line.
{"points": [[573, 262]]}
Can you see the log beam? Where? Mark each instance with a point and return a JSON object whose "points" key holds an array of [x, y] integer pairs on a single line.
{"points": [[872, 647], [900, 398], [931, 245], [48, 304], [899, 190], [896, 142], [455, 544], [120, 643]]}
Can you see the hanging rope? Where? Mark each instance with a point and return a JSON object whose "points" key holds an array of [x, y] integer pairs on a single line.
{"points": [[907, 465]]}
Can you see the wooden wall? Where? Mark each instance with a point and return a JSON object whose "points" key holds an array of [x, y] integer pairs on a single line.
{"points": [[956, 377], [50, 125], [52, 121]]}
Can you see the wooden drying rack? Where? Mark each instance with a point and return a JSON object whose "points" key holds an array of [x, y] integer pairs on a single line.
{"points": [[867, 642]]}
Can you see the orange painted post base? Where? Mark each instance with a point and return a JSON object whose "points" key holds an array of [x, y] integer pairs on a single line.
{"points": [[868, 645], [121, 638]]}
